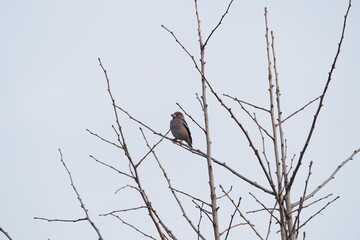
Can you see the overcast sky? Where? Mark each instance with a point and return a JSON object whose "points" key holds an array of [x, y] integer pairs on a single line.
{"points": [[52, 89]]}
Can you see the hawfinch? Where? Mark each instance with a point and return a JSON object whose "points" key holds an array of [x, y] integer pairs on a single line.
{"points": [[180, 129]]}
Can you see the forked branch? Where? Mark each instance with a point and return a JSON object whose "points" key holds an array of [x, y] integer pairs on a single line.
{"points": [[82, 205]]}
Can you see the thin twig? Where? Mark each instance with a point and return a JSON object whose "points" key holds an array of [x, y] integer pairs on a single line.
{"points": [[264, 152], [270, 211], [221, 19], [295, 228], [79, 198], [247, 103], [82, 205], [231, 218], [312, 203], [231, 187], [332, 176], [255, 184], [127, 186], [318, 212], [233, 226], [191, 196], [270, 221], [202, 106], [61, 220], [133, 227], [183, 47], [199, 222], [111, 167], [123, 210], [191, 117], [241, 214], [122, 139], [5, 233], [254, 119], [291, 163], [152, 148], [103, 139], [297, 111], [207, 213]]}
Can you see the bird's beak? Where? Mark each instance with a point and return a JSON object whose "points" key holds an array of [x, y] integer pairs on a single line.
{"points": [[173, 115]]}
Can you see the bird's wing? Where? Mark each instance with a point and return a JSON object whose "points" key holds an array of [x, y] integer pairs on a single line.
{"points": [[187, 128]]}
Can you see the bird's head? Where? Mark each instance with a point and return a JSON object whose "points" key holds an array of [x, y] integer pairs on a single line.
{"points": [[177, 115]]}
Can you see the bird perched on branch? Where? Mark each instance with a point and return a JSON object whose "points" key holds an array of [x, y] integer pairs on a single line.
{"points": [[180, 129]]}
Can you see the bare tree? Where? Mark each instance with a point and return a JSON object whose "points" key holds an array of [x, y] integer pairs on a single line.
{"points": [[280, 171]]}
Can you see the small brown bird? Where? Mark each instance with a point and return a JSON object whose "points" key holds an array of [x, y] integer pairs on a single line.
{"points": [[180, 129]]}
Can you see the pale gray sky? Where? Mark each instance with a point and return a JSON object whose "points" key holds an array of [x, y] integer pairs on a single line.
{"points": [[52, 89]]}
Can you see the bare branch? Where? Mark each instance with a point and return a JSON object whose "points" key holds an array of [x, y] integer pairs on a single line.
{"points": [[312, 203], [295, 228], [127, 186], [201, 104], [279, 172], [203, 129], [133, 227], [5, 233], [200, 218], [264, 152], [297, 111], [279, 118], [322, 96], [270, 221], [103, 139], [152, 148], [122, 139], [252, 118], [79, 198], [82, 205], [318, 212], [332, 176], [221, 19], [291, 163], [231, 218], [182, 46], [111, 167], [61, 220], [214, 208], [233, 226], [123, 210], [205, 211], [247, 103], [255, 184], [191, 196], [226, 193], [241, 214], [270, 211]]}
